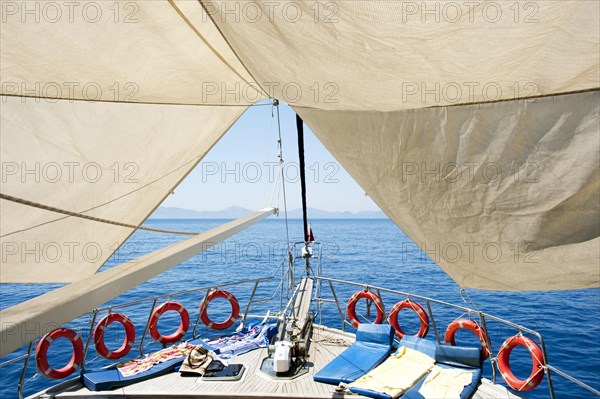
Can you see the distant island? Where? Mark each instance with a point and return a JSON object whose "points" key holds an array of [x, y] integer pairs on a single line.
{"points": [[235, 212]]}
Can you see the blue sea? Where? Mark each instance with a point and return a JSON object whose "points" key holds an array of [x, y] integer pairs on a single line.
{"points": [[364, 251]]}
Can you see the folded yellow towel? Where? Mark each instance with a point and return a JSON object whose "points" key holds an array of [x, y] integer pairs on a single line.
{"points": [[445, 383], [397, 374]]}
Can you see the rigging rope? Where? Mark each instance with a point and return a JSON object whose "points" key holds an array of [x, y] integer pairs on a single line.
{"points": [[87, 217], [194, 161], [290, 257], [281, 163]]}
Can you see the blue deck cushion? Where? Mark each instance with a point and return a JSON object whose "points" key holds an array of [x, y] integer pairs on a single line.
{"points": [[459, 357], [465, 358], [373, 344], [419, 344], [110, 378]]}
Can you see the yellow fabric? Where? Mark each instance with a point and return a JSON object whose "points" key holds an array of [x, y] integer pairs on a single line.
{"points": [[397, 374], [445, 383]]}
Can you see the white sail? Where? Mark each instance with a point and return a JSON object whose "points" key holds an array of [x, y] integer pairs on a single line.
{"points": [[116, 157], [385, 85], [393, 55], [425, 105], [502, 196]]}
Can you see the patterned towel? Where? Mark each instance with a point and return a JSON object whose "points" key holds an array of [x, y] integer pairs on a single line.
{"points": [[228, 346], [136, 366]]}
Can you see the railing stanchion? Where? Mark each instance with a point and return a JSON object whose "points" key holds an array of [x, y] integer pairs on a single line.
{"points": [[204, 303], [337, 303], [22, 378], [547, 369], [435, 330], [89, 338], [146, 328], [250, 302], [488, 342]]}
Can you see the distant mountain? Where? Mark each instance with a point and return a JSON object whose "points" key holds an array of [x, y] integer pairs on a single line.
{"points": [[321, 214], [232, 212], [235, 212]]}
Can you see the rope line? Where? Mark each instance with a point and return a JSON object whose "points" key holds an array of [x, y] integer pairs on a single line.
{"points": [[192, 161], [257, 104], [87, 217]]}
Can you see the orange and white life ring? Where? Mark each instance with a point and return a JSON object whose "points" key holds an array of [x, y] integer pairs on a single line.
{"points": [[537, 358], [471, 326], [127, 341], [183, 326], [368, 295], [41, 353], [235, 310], [418, 309]]}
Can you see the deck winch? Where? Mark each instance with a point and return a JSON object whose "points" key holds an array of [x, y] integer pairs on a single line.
{"points": [[289, 348]]}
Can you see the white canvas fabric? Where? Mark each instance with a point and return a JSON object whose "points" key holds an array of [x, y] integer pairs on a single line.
{"points": [[95, 119], [156, 51], [502, 196], [384, 85], [393, 55], [108, 160]]}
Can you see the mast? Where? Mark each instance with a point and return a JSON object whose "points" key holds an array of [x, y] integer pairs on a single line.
{"points": [[306, 250]]}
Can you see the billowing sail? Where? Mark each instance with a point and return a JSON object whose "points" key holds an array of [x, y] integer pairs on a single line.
{"points": [[474, 126], [501, 196], [104, 111]]}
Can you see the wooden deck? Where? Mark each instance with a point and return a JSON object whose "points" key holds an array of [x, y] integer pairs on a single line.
{"points": [[326, 345]]}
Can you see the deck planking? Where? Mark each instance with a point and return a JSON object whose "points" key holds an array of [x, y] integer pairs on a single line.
{"points": [[326, 344]]}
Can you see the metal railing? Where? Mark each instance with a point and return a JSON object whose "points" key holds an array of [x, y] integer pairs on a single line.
{"points": [[481, 315], [153, 300], [288, 275]]}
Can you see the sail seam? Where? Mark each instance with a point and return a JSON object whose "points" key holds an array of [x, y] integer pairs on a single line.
{"points": [[223, 60], [53, 99], [231, 47], [524, 99], [87, 217]]}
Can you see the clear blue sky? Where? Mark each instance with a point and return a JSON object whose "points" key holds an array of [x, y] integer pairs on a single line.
{"points": [[239, 170]]}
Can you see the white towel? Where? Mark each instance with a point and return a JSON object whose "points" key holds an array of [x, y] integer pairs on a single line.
{"points": [[397, 374], [445, 383]]}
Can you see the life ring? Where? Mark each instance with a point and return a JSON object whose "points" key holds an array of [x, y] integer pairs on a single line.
{"points": [[537, 357], [127, 341], [183, 326], [235, 310], [418, 309], [471, 326], [351, 308], [41, 353]]}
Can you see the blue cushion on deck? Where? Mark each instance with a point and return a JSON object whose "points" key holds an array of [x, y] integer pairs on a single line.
{"points": [[110, 378], [466, 358], [419, 344], [104, 380], [460, 356], [375, 333], [373, 344]]}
